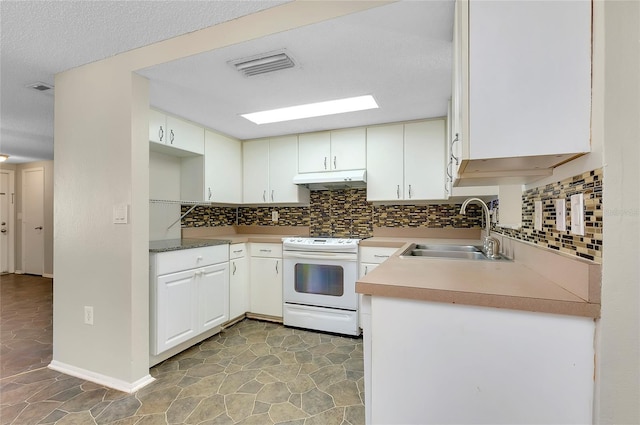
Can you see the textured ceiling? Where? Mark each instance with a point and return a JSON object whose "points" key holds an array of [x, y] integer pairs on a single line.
{"points": [[41, 38], [400, 53]]}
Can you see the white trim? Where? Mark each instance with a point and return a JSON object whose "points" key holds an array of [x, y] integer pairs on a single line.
{"points": [[98, 378], [19, 272], [48, 275]]}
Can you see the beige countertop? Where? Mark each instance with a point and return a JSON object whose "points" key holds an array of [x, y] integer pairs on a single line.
{"points": [[500, 284]]}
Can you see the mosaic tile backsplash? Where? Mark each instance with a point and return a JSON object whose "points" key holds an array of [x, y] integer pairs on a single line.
{"points": [[346, 213], [588, 246], [338, 213]]}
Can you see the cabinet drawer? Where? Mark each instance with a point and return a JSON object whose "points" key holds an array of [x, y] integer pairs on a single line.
{"points": [[237, 250], [185, 259], [376, 255], [271, 250]]}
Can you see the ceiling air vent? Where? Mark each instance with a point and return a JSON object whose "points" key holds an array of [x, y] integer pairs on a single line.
{"points": [[40, 86], [263, 63]]}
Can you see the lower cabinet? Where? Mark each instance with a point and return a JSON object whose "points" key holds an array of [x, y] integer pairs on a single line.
{"points": [[501, 366], [239, 289], [372, 256], [189, 295], [266, 279]]}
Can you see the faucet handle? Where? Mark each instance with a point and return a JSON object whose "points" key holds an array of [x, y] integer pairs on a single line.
{"points": [[492, 247]]}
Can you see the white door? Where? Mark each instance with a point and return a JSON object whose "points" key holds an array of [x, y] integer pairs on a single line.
{"points": [[6, 221], [33, 221]]}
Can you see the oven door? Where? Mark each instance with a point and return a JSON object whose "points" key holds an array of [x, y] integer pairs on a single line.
{"points": [[320, 279]]}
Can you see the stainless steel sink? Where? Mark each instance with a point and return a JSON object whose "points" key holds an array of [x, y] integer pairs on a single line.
{"points": [[464, 252]]}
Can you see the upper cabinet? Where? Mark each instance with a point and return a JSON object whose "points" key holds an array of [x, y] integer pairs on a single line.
{"points": [[269, 166], [521, 100], [174, 136], [216, 176], [406, 162], [335, 150]]}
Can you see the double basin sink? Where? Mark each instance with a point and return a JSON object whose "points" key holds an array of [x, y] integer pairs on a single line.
{"points": [[464, 252]]}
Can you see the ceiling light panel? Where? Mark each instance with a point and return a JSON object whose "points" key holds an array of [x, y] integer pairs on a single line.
{"points": [[319, 109]]}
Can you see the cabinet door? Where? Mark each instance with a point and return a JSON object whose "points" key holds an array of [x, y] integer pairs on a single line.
{"points": [[283, 166], [314, 152], [385, 163], [239, 292], [185, 135], [176, 319], [222, 168], [266, 286], [255, 171], [424, 160], [349, 149], [157, 127], [533, 97], [213, 296]]}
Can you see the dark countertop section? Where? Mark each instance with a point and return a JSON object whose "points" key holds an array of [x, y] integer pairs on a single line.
{"points": [[178, 244]]}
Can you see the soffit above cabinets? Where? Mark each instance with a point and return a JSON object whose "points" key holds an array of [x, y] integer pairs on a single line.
{"points": [[399, 52]]}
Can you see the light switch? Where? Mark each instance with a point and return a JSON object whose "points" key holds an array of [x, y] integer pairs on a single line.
{"points": [[577, 214], [120, 214], [537, 215], [561, 214]]}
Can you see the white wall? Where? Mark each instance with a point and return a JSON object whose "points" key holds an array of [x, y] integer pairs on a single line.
{"points": [[618, 341], [102, 159]]}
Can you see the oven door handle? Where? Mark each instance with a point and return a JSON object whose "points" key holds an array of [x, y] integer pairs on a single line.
{"points": [[322, 256]]}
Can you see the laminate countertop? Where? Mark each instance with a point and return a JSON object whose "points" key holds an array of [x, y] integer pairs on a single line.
{"points": [[178, 244], [517, 285]]}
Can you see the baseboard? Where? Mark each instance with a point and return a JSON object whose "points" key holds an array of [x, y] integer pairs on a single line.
{"points": [[48, 275], [107, 381], [18, 272]]}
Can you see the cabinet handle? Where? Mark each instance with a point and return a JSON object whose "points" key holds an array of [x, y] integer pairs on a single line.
{"points": [[237, 252], [398, 191], [380, 256], [453, 142], [264, 196], [335, 167], [234, 269], [38, 228], [409, 191], [325, 162], [171, 136], [265, 250], [161, 133], [210, 194], [277, 266], [366, 269], [271, 195]]}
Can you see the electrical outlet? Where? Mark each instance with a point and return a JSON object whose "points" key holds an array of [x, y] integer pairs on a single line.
{"points": [[88, 315], [275, 216]]}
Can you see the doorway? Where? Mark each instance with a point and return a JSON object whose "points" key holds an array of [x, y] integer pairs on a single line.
{"points": [[7, 231], [33, 221]]}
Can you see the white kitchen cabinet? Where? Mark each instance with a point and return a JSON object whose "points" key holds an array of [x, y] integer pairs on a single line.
{"points": [[216, 176], [239, 285], [269, 166], [528, 109], [174, 135], [266, 279], [189, 295], [335, 150], [372, 256], [406, 161], [502, 366]]}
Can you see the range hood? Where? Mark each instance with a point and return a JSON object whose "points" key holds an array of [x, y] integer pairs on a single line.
{"points": [[332, 179]]}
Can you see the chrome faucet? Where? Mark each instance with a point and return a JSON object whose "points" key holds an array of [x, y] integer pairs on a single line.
{"points": [[490, 245]]}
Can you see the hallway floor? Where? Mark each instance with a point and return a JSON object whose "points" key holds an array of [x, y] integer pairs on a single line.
{"points": [[251, 373]]}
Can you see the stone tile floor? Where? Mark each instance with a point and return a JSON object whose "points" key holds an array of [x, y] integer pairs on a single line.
{"points": [[251, 373]]}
